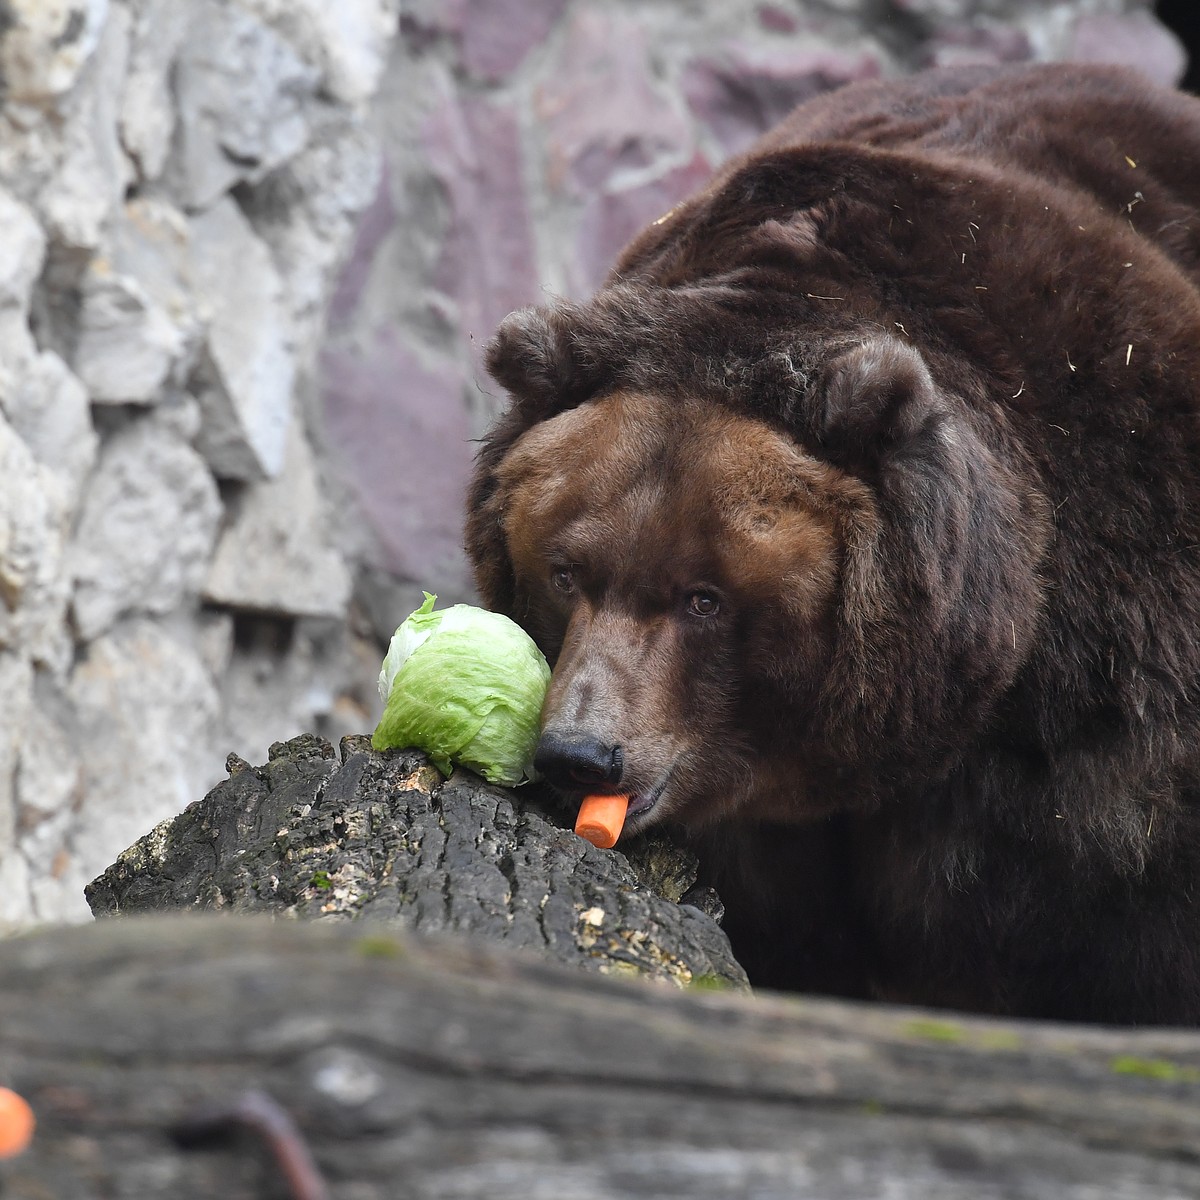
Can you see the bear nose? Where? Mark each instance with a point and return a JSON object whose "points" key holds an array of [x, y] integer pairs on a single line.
{"points": [[577, 760]]}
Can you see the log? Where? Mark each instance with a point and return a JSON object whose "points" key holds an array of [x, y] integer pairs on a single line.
{"points": [[428, 1068], [383, 838]]}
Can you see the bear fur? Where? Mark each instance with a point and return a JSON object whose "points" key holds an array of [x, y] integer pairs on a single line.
{"points": [[969, 301]]}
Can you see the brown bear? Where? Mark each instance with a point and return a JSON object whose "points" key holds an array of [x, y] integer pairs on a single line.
{"points": [[859, 515]]}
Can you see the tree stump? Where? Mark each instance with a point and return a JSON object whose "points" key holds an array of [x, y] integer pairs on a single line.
{"points": [[383, 838]]}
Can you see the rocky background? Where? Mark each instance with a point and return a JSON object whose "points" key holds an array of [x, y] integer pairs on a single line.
{"points": [[251, 250]]}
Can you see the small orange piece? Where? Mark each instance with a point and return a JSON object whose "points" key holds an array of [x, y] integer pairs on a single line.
{"points": [[600, 819], [16, 1123]]}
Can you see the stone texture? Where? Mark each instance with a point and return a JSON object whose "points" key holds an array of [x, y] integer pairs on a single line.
{"points": [[24, 253], [33, 585], [346, 41], [306, 213], [611, 218], [275, 555], [290, 677], [142, 314], [492, 38], [16, 682], [487, 259], [979, 42], [47, 46], [49, 789], [242, 92], [247, 367], [147, 116], [602, 112], [146, 529], [93, 171], [400, 432], [48, 409], [141, 695], [497, 35], [744, 91], [1133, 39], [127, 345]]}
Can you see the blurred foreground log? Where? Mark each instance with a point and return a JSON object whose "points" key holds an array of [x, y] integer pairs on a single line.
{"points": [[426, 1069]]}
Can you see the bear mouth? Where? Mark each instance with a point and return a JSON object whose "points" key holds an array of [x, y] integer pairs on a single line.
{"points": [[641, 803]]}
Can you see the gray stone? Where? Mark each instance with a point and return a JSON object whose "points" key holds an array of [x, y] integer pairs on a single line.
{"points": [[16, 694], [347, 41], [146, 530], [141, 695], [24, 251], [46, 45], [375, 224], [147, 114], [293, 677], [49, 410], [49, 786], [150, 242], [127, 345], [94, 171], [306, 213], [33, 583], [247, 371], [242, 93], [48, 768], [275, 555]]}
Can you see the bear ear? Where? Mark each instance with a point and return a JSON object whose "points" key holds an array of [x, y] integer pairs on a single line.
{"points": [[875, 398], [534, 356]]}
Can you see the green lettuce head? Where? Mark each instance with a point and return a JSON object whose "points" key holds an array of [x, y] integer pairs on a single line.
{"points": [[466, 686]]}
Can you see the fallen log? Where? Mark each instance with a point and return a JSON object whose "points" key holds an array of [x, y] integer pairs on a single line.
{"points": [[436, 1068]]}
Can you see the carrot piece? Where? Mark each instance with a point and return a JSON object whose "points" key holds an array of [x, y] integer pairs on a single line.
{"points": [[600, 819], [16, 1123]]}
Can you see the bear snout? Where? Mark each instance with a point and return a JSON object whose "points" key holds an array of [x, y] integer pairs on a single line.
{"points": [[572, 759]]}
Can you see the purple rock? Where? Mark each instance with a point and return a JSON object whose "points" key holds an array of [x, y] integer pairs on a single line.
{"points": [[498, 34], [744, 92], [376, 222], [487, 263], [1134, 39], [611, 219], [399, 435], [600, 109], [776, 19], [963, 45]]}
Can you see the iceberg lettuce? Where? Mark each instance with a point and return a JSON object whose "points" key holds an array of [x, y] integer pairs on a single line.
{"points": [[466, 686]]}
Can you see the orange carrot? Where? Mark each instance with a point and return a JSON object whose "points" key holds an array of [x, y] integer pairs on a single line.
{"points": [[600, 819], [16, 1123]]}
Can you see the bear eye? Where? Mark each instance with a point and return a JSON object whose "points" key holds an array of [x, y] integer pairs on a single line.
{"points": [[703, 604], [563, 579]]}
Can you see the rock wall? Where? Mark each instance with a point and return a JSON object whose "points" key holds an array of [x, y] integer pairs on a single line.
{"points": [[179, 182], [252, 249], [525, 141]]}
